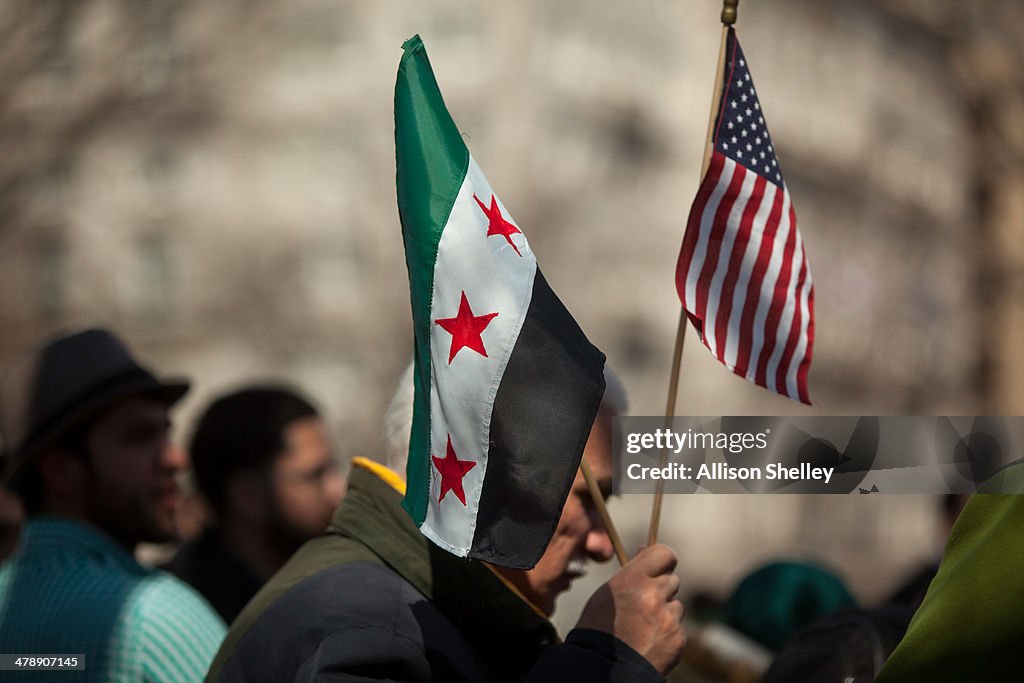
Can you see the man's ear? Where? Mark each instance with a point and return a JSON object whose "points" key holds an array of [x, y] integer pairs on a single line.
{"points": [[245, 494], [63, 474]]}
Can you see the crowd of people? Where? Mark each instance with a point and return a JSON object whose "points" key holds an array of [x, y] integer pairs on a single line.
{"points": [[297, 577]]}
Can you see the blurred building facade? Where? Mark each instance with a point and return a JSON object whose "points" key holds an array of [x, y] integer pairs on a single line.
{"points": [[216, 181]]}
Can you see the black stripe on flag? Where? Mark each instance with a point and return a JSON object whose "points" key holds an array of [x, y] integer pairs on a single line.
{"points": [[542, 414]]}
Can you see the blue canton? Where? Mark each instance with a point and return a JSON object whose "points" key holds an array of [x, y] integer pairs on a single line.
{"points": [[742, 134]]}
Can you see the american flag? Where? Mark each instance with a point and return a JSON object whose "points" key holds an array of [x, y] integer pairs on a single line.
{"points": [[742, 274]]}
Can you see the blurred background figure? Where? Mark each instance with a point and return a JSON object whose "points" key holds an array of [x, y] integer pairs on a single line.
{"points": [[848, 646], [12, 515], [86, 431], [775, 601], [735, 641], [262, 460]]}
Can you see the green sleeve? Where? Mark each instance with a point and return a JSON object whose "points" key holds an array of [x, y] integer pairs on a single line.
{"points": [[971, 624]]}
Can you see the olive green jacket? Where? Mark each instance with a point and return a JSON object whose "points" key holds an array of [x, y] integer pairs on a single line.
{"points": [[970, 627]]}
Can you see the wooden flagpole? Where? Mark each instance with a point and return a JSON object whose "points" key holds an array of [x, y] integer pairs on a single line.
{"points": [[602, 511], [729, 9]]}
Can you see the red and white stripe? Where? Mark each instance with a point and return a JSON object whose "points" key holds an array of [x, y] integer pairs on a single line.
{"points": [[742, 277]]}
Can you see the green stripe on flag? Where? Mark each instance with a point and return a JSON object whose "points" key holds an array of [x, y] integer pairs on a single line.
{"points": [[432, 160]]}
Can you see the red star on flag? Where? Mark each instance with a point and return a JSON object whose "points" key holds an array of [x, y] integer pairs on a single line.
{"points": [[497, 224], [465, 329], [452, 470]]}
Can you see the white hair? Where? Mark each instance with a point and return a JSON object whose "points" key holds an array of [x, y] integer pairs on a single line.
{"points": [[615, 398], [398, 423]]}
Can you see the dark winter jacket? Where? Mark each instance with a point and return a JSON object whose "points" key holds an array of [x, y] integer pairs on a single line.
{"points": [[374, 600]]}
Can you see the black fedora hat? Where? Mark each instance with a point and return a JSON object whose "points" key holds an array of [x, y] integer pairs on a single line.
{"points": [[53, 387]]}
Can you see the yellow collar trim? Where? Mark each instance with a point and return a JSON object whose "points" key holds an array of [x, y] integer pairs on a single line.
{"points": [[388, 475]]}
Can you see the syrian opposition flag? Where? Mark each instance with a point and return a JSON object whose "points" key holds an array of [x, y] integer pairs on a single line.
{"points": [[506, 384]]}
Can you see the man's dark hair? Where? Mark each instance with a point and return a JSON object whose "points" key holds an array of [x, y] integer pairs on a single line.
{"points": [[29, 486], [241, 431]]}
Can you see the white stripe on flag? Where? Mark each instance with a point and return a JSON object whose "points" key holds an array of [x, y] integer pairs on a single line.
{"points": [[732, 228], [768, 286], [495, 280], [786, 321], [739, 296], [805, 314], [707, 221]]}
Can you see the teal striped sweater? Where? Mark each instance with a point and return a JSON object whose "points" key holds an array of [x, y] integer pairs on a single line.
{"points": [[70, 589]]}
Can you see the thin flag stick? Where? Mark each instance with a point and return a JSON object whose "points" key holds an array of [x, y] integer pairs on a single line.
{"points": [[670, 409], [602, 511], [729, 8]]}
